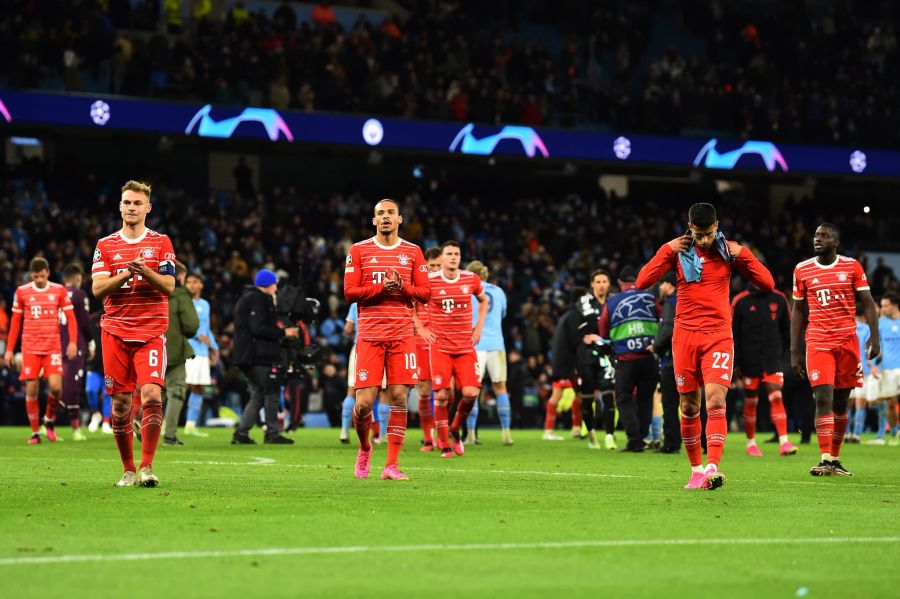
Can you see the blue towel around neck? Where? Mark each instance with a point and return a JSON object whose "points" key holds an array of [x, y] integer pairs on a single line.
{"points": [[690, 261]]}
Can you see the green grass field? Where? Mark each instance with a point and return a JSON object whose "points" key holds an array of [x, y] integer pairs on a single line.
{"points": [[537, 519]]}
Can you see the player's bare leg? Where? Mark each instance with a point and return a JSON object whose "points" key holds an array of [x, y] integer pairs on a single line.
{"points": [[469, 397], [124, 436], [151, 427], [426, 416], [550, 416], [362, 421], [396, 431], [32, 387], [54, 391]]}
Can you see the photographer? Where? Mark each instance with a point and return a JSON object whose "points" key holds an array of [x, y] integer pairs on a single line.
{"points": [[258, 352]]}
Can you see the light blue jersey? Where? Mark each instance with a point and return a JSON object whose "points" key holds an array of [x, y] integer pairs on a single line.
{"points": [[862, 333], [492, 333], [889, 332], [203, 313], [353, 316]]}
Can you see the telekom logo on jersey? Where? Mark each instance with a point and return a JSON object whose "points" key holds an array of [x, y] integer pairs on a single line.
{"points": [[447, 305], [824, 296]]}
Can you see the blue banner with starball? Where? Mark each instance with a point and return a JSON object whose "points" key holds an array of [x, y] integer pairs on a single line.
{"points": [[267, 124]]}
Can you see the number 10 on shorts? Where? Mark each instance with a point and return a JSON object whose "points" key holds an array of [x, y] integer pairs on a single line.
{"points": [[410, 360]]}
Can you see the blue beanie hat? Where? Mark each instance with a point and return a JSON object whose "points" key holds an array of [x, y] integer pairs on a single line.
{"points": [[264, 278]]}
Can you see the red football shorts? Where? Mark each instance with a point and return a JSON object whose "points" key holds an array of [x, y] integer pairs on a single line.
{"points": [[394, 360], [751, 383], [129, 365], [33, 364], [462, 367], [839, 366], [423, 362], [561, 384], [702, 357]]}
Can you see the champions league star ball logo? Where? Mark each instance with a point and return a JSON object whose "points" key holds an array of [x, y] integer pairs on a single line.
{"points": [[349, 260], [814, 375], [96, 254], [362, 375]]}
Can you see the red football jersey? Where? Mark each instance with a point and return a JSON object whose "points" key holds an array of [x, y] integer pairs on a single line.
{"points": [[450, 310], [39, 311], [136, 311], [424, 321], [704, 305], [385, 315], [830, 294]]}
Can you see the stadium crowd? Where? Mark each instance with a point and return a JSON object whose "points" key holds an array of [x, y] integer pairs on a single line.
{"points": [[536, 248], [534, 64]]}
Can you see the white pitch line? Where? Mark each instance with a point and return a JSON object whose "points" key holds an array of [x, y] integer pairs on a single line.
{"points": [[278, 551]]}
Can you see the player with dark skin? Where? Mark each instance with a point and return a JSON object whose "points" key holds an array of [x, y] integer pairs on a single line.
{"points": [[828, 399]]}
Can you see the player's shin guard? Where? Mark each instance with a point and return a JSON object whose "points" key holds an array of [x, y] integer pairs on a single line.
{"points": [[52, 405], [716, 429], [825, 432], [151, 425], [462, 412], [691, 428], [778, 414], [347, 412], [34, 413], [837, 438], [503, 410], [396, 433], [576, 412], [124, 436], [362, 423], [441, 417], [750, 402], [426, 417]]}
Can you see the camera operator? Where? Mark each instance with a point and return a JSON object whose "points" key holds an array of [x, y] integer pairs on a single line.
{"points": [[258, 352]]}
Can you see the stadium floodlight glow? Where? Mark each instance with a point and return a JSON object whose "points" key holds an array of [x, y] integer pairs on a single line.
{"points": [[100, 112], [467, 143], [209, 127], [622, 148], [5, 112], [710, 157], [373, 132], [858, 161]]}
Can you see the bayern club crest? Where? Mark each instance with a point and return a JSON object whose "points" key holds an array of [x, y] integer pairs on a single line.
{"points": [[465, 289], [109, 381], [404, 260], [437, 379], [362, 375], [147, 253], [842, 276], [814, 375], [679, 380]]}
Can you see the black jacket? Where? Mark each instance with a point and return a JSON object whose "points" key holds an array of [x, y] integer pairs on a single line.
{"points": [[257, 337], [761, 323], [565, 341], [662, 345]]}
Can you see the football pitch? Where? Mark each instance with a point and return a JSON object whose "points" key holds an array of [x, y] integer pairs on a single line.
{"points": [[539, 519]]}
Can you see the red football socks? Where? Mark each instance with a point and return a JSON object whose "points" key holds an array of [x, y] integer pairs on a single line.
{"points": [[716, 429], [691, 428], [550, 417], [52, 405], [750, 402], [825, 432], [396, 432], [151, 425], [34, 413], [362, 425], [136, 406], [576, 412], [441, 416], [426, 418], [837, 438], [124, 434], [779, 416], [462, 412]]}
